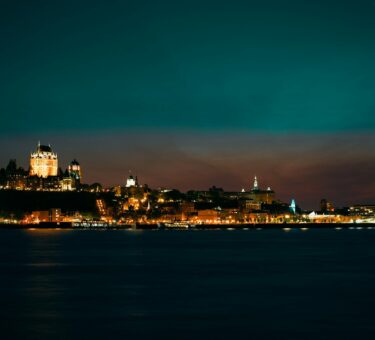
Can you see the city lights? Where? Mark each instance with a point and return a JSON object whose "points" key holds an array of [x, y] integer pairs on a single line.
{"points": [[135, 203]]}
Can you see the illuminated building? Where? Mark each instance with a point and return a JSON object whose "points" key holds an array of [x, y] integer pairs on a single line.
{"points": [[208, 215], [72, 177], [367, 210], [293, 206], [117, 190], [74, 170], [40, 216], [262, 196], [131, 181], [250, 205], [67, 184], [132, 204], [51, 215], [55, 215], [43, 162]]}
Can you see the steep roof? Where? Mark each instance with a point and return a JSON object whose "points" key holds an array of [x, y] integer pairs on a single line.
{"points": [[44, 148]]}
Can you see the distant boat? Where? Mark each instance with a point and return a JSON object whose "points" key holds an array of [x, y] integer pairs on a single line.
{"points": [[177, 225]]}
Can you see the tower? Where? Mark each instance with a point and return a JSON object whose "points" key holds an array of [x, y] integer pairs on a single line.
{"points": [[255, 185], [43, 162], [74, 170], [292, 206]]}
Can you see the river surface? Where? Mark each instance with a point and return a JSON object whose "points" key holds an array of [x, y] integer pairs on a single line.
{"points": [[265, 284]]}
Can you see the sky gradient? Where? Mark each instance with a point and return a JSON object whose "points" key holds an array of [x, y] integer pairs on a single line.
{"points": [[190, 94]]}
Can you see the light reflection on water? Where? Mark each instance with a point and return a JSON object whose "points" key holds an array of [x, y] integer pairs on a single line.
{"points": [[267, 284]]}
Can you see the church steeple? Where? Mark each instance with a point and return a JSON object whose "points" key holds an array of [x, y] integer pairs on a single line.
{"points": [[255, 185]]}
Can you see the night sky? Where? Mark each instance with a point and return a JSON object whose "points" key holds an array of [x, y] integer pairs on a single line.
{"points": [[190, 94]]}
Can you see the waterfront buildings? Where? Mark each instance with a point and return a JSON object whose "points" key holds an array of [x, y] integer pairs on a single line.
{"points": [[363, 210], [133, 202]]}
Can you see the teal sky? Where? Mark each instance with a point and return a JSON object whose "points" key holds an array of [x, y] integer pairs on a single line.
{"points": [[274, 66]]}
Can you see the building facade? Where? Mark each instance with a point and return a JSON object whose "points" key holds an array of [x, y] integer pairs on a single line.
{"points": [[131, 181], [43, 162]]}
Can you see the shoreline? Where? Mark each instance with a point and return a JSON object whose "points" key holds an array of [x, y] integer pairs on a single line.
{"points": [[188, 226]]}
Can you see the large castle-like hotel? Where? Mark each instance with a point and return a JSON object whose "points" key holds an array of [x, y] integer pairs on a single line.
{"points": [[43, 162]]}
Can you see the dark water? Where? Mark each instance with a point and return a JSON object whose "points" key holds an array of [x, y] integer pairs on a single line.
{"points": [[318, 284]]}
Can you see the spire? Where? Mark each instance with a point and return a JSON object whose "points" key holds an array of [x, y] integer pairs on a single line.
{"points": [[255, 186], [292, 206]]}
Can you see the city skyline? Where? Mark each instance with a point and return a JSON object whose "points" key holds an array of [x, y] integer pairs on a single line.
{"points": [[284, 178]]}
